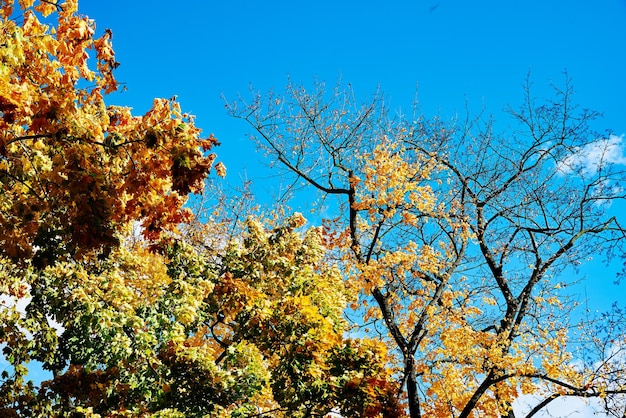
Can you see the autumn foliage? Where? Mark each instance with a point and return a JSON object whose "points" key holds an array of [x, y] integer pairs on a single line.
{"points": [[74, 171], [128, 313], [455, 239], [431, 288], [148, 333]]}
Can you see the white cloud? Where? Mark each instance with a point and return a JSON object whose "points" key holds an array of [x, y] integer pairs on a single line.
{"points": [[593, 156], [565, 407], [577, 407]]}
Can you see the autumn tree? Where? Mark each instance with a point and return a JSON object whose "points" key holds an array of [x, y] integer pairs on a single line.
{"points": [[128, 305], [178, 332], [76, 174], [74, 171], [458, 238]]}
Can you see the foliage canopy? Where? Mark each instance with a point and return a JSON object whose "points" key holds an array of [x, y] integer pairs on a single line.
{"points": [[447, 241], [150, 323]]}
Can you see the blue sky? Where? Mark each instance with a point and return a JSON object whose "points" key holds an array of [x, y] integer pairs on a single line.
{"points": [[478, 49], [452, 51]]}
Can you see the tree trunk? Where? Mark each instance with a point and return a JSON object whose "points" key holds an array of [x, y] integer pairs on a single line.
{"points": [[411, 386]]}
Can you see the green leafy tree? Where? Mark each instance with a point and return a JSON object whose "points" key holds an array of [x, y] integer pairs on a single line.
{"points": [[257, 332]]}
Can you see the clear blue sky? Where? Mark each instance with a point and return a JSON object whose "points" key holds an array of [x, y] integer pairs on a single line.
{"points": [[451, 50]]}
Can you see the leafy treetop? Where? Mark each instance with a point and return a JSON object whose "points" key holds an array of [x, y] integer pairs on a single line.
{"points": [[74, 172]]}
